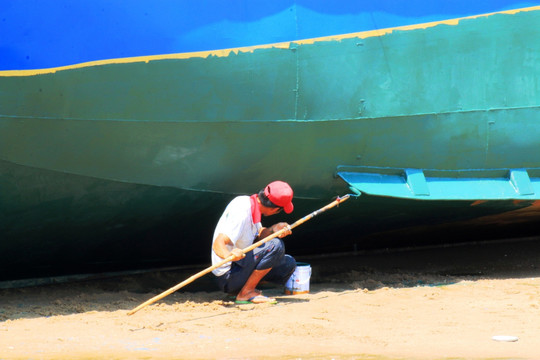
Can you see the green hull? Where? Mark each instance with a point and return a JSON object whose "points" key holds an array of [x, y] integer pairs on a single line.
{"points": [[56, 223], [133, 160]]}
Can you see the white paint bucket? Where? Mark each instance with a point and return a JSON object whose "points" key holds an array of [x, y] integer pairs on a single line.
{"points": [[298, 283]]}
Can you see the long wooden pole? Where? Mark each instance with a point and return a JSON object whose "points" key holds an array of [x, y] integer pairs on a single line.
{"points": [[246, 250]]}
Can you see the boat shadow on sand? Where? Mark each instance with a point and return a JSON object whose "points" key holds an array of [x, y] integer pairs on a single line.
{"points": [[435, 266]]}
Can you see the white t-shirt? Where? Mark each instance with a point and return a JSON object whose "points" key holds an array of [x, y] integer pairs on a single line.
{"points": [[237, 223]]}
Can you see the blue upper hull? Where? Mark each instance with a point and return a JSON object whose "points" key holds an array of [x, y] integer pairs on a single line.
{"points": [[50, 33]]}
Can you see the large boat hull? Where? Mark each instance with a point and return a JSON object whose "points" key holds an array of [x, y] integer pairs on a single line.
{"points": [[129, 162]]}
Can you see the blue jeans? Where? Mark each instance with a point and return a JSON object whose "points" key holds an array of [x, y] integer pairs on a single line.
{"points": [[269, 255]]}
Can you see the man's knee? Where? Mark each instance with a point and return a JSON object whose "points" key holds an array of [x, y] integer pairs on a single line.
{"points": [[271, 254], [289, 265], [278, 247]]}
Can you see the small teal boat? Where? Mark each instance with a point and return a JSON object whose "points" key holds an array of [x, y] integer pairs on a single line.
{"points": [[119, 148]]}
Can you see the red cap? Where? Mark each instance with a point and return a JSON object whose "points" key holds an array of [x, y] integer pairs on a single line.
{"points": [[281, 194]]}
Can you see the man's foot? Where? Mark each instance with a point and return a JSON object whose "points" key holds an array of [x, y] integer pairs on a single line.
{"points": [[249, 294], [259, 299]]}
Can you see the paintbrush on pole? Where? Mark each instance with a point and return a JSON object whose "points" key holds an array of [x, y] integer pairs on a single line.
{"points": [[246, 250]]}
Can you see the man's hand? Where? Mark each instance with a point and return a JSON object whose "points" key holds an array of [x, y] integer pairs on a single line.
{"points": [[279, 226], [238, 254], [265, 232]]}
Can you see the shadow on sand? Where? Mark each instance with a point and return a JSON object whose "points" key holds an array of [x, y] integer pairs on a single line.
{"points": [[435, 266]]}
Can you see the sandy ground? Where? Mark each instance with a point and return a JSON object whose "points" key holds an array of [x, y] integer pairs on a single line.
{"points": [[444, 303]]}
